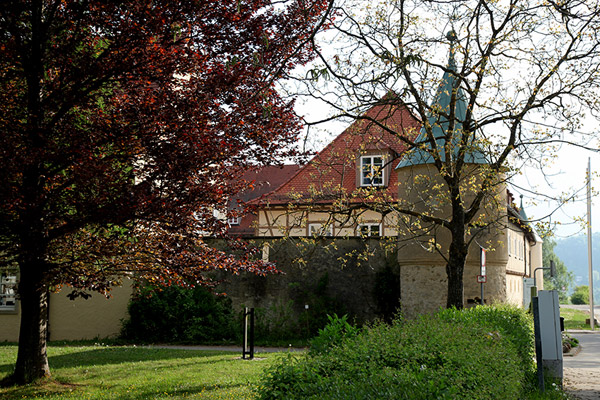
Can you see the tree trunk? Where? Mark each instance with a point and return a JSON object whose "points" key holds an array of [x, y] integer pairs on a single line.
{"points": [[455, 270], [32, 360], [457, 255]]}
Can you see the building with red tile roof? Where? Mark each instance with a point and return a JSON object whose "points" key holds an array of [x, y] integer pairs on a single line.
{"points": [[336, 170], [351, 188], [261, 181], [351, 174]]}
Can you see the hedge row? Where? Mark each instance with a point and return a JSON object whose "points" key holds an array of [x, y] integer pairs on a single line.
{"points": [[480, 353]]}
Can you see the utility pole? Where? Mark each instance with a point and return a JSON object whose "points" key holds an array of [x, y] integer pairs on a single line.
{"points": [[589, 234]]}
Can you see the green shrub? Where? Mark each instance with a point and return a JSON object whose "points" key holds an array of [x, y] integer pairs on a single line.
{"points": [[581, 295], [446, 356], [334, 333], [512, 322], [176, 314]]}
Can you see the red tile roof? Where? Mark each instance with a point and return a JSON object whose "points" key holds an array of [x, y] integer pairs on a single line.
{"points": [[332, 172], [265, 180]]}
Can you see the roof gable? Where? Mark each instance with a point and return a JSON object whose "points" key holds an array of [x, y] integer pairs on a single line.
{"points": [[333, 171]]}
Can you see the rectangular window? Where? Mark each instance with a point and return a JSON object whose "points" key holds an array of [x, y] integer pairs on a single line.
{"points": [[234, 221], [521, 244], [320, 230], [369, 230], [8, 287], [372, 171]]}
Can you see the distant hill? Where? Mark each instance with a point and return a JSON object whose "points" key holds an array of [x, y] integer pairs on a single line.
{"points": [[573, 252]]}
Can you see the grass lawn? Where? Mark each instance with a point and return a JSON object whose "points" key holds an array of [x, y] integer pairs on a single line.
{"points": [[574, 319], [129, 372]]}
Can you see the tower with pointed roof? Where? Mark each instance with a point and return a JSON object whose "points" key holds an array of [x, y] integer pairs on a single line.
{"points": [[445, 121], [443, 141]]}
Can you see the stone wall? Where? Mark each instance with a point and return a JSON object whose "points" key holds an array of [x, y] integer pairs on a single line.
{"points": [[425, 287], [349, 275]]}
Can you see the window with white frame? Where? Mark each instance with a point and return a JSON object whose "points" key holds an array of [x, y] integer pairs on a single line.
{"points": [[320, 230], [371, 170], [521, 245], [369, 229], [8, 288], [232, 221]]}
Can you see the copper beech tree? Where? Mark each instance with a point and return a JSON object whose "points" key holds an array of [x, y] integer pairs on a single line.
{"points": [[122, 125]]}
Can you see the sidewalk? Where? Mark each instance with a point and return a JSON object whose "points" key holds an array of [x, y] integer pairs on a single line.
{"points": [[582, 371]]}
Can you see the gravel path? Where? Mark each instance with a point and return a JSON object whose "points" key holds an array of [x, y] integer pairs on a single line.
{"points": [[233, 349], [582, 371]]}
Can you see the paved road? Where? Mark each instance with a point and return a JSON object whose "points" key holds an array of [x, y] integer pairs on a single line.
{"points": [[582, 371], [583, 307]]}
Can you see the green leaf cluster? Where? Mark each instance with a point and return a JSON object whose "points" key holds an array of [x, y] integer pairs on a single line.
{"points": [[563, 278], [337, 330]]}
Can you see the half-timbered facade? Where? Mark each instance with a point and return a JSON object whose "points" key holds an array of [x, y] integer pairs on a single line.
{"points": [[347, 188]]}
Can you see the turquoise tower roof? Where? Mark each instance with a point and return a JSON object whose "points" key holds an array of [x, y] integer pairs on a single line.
{"points": [[522, 213], [440, 124]]}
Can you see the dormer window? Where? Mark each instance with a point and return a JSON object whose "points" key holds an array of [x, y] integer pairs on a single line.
{"points": [[371, 170]]}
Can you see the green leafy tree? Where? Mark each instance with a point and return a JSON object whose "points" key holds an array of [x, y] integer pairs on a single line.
{"points": [[563, 278]]}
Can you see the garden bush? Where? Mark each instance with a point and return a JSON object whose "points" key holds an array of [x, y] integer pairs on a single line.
{"points": [[473, 354], [175, 314], [335, 332], [514, 323], [581, 295]]}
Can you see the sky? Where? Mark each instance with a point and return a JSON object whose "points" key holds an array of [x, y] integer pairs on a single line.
{"points": [[568, 174]]}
